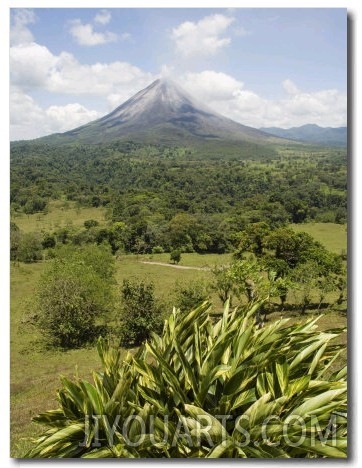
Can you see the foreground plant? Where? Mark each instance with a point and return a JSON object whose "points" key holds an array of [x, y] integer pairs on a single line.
{"points": [[206, 389]]}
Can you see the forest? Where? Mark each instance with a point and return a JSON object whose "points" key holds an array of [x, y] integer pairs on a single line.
{"points": [[170, 197]]}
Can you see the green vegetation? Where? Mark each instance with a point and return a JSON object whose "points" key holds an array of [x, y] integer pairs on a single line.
{"points": [[75, 296], [272, 389], [35, 371], [164, 198], [105, 241], [141, 313], [175, 256]]}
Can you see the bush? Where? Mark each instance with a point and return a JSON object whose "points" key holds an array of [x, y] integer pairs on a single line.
{"points": [[75, 296], [141, 313], [90, 223], [30, 248], [207, 389], [175, 256], [158, 249], [48, 241], [189, 295]]}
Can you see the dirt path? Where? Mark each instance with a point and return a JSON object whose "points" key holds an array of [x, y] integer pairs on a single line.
{"points": [[181, 267]]}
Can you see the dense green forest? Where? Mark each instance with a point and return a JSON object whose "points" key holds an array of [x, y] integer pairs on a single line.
{"points": [[177, 197]]}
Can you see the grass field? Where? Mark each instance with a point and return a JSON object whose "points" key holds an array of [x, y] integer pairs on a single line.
{"points": [[35, 370], [60, 214], [333, 236]]}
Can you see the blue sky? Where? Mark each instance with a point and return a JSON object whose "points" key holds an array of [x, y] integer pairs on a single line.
{"points": [[261, 67]]}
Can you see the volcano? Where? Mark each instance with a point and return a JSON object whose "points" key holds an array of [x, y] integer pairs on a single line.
{"points": [[163, 113]]}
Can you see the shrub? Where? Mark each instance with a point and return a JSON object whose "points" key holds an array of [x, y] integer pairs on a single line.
{"points": [[175, 256], [141, 312], [30, 248], [74, 297], [48, 241], [189, 295], [207, 390], [158, 249], [89, 223]]}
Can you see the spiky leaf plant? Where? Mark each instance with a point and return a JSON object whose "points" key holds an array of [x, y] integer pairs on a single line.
{"points": [[207, 389]]}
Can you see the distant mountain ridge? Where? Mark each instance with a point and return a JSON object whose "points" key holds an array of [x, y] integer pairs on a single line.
{"points": [[164, 113], [312, 133]]}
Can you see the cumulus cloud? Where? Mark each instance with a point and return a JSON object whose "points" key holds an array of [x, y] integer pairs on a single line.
{"points": [[34, 66], [103, 17], [229, 97], [289, 87], [28, 120], [211, 84], [84, 34], [204, 37], [19, 32]]}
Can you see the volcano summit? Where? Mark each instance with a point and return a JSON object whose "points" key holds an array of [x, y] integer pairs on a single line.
{"points": [[163, 113]]}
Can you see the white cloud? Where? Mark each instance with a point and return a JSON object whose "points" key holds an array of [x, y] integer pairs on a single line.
{"points": [[103, 17], [209, 84], [70, 116], [228, 96], [203, 37], [19, 32], [31, 65], [34, 66], [289, 87], [84, 34], [28, 120]]}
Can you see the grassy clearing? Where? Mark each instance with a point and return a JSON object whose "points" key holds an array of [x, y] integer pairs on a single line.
{"points": [[333, 236], [60, 214]]}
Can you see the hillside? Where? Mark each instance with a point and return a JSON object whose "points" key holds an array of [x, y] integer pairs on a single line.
{"points": [[309, 133]]}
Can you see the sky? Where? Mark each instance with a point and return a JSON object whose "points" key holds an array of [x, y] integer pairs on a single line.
{"points": [[262, 67]]}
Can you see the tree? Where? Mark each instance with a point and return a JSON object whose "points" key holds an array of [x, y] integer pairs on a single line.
{"points": [[119, 237], [182, 231], [140, 312], [175, 256], [253, 239], [15, 238], [224, 283], [48, 241], [75, 297], [30, 248], [190, 294], [305, 276]]}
